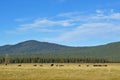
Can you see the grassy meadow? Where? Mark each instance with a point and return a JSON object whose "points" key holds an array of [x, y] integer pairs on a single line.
{"points": [[60, 72]]}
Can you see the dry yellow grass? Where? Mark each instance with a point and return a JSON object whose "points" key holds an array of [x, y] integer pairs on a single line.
{"points": [[66, 72]]}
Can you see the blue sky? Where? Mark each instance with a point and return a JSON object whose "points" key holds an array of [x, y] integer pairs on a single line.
{"points": [[67, 22]]}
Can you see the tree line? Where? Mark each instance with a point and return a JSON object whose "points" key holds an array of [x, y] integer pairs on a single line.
{"points": [[7, 60]]}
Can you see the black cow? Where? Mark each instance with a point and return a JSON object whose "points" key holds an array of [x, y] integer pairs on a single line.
{"points": [[52, 64], [19, 65]]}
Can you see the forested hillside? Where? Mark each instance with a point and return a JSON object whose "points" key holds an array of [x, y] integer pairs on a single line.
{"points": [[38, 49]]}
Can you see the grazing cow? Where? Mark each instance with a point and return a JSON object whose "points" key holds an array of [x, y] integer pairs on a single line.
{"points": [[41, 65], [79, 65], [105, 65], [87, 65], [100, 65], [61, 65], [35, 65], [52, 64], [95, 65], [19, 65]]}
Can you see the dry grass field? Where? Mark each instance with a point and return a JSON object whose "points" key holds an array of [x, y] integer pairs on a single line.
{"points": [[59, 72]]}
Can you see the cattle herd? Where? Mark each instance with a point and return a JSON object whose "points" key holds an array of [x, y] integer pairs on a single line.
{"points": [[61, 65]]}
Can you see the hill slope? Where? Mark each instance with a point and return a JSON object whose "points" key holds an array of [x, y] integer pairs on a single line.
{"points": [[36, 48], [31, 46]]}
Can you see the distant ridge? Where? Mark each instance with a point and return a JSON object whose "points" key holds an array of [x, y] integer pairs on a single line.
{"points": [[36, 48], [32, 46]]}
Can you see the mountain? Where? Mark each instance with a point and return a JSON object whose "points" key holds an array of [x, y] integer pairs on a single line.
{"points": [[36, 48], [32, 46]]}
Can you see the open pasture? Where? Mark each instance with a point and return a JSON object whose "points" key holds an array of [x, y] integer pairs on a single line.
{"points": [[60, 71]]}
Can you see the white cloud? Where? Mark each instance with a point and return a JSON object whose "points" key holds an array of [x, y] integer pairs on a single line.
{"points": [[44, 23], [48, 30], [70, 14], [78, 26], [90, 30], [114, 16], [21, 19], [99, 25], [100, 11]]}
